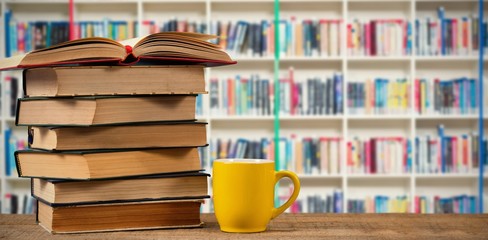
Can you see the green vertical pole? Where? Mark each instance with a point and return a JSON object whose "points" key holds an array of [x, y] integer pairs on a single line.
{"points": [[277, 83], [277, 94]]}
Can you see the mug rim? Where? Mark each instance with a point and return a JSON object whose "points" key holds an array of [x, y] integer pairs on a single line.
{"points": [[244, 160]]}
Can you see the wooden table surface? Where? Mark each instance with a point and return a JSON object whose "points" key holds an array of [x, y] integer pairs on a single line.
{"points": [[288, 226]]}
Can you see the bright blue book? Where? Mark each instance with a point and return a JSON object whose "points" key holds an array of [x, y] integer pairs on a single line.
{"points": [[472, 205], [440, 131], [409, 38], [461, 96], [409, 156], [472, 87], [6, 18], [440, 14], [338, 202], [6, 141]]}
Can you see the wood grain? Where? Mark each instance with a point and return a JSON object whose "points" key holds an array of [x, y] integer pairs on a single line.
{"points": [[289, 226]]}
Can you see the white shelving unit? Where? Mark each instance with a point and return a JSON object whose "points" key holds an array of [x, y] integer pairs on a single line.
{"points": [[354, 68]]}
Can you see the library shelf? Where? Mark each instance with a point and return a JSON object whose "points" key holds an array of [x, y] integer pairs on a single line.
{"points": [[311, 118], [446, 176], [379, 176], [241, 118], [318, 176], [378, 58], [379, 117]]}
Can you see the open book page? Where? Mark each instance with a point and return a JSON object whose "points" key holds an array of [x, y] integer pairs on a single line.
{"points": [[11, 62], [132, 41]]}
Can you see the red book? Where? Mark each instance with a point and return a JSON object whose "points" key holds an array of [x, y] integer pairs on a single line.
{"points": [[417, 204], [373, 155], [350, 163], [367, 147], [349, 36], [454, 36], [160, 48], [367, 39], [417, 95], [230, 95], [465, 35], [372, 30]]}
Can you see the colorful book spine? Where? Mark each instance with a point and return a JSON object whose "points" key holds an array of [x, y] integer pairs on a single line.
{"points": [[242, 95], [460, 204], [378, 155], [379, 37], [379, 96], [456, 96], [447, 154], [309, 38], [317, 203], [379, 204], [448, 36]]}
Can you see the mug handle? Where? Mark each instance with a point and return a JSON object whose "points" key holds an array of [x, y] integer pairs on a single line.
{"points": [[296, 189]]}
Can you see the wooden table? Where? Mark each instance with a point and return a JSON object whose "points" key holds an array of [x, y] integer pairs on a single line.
{"points": [[289, 226]]}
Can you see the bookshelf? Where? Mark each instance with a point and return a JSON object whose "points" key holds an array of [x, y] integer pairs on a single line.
{"points": [[354, 68]]}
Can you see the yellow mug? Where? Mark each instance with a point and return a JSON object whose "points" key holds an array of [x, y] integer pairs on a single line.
{"points": [[243, 193]]}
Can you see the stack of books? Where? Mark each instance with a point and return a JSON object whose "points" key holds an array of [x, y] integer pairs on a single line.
{"points": [[115, 147]]}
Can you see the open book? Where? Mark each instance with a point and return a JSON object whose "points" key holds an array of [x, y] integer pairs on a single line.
{"points": [[158, 48]]}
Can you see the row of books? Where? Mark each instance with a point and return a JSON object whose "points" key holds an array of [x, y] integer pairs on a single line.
{"points": [[262, 148], [23, 36], [317, 203], [12, 143], [310, 155], [383, 155], [379, 204], [306, 37], [19, 204], [242, 95], [379, 37], [379, 96], [449, 36], [454, 96], [449, 154], [311, 96], [456, 204]]}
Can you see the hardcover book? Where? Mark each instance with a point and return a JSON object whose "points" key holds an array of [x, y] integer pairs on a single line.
{"points": [[169, 47], [154, 135], [106, 164], [87, 111], [143, 188], [114, 80], [119, 216]]}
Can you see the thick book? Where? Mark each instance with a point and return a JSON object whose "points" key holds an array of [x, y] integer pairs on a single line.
{"points": [[88, 111], [113, 80], [191, 185], [168, 134], [106, 164], [120, 216], [157, 48]]}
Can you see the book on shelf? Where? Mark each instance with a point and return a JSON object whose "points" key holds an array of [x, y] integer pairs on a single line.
{"points": [[379, 37], [103, 110], [310, 38], [379, 155], [27, 36], [379, 204], [448, 36], [317, 203], [242, 95], [456, 204], [311, 155], [106, 164], [12, 143], [19, 204], [192, 185], [150, 135], [379, 96], [448, 153], [12, 92], [455, 96], [311, 96], [113, 80], [242, 148], [120, 216], [169, 47]]}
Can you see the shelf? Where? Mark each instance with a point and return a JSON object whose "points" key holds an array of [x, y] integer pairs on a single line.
{"points": [[447, 176], [378, 58], [309, 176], [10, 119], [253, 59], [309, 59], [16, 179], [377, 116], [311, 118], [242, 118], [445, 58], [379, 176], [442, 117]]}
